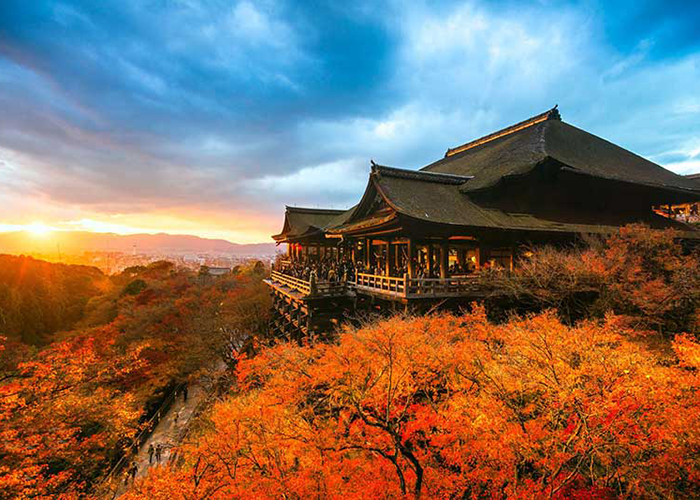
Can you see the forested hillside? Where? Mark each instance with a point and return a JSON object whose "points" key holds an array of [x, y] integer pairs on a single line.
{"points": [[69, 409], [38, 298], [580, 395]]}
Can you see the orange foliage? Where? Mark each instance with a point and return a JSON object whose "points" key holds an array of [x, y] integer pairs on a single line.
{"points": [[61, 412], [641, 274], [68, 411], [650, 279], [451, 407]]}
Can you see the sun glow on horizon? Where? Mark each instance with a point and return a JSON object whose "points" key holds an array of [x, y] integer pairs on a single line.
{"points": [[203, 227], [38, 229]]}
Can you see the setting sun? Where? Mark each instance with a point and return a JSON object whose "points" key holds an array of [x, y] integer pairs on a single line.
{"points": [[38, 229]]}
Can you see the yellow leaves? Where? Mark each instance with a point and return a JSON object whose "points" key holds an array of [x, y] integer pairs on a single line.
{"points": [[687, 350]]}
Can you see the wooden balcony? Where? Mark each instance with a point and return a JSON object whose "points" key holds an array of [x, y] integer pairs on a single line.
{"points": [[381, 286], [307, 289], [418, 288]]}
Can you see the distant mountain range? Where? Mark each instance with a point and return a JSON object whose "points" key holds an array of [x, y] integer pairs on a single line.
{"points": [[76, 242]]}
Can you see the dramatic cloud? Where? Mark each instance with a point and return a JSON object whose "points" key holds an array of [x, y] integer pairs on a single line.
{"points": [[209, 117]]}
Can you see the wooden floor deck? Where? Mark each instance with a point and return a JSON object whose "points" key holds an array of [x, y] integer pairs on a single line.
{"points": [[388, 287]]}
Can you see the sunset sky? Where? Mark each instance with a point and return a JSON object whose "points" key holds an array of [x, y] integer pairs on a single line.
{"points": [[208, 117]]}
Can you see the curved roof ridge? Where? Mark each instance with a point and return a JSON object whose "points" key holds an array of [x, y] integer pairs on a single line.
{"points": [[329, 211], [427, 176], [550, 114]]}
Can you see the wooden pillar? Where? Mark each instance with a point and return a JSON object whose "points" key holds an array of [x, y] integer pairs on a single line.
{"points": [[388, 261], [353, 253], [444, 259], [368, 252], [397, 257], [410, 265], [430, 259]]}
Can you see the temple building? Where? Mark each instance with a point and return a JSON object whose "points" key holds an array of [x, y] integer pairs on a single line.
{"points": [[421, 236], [685, 212]]}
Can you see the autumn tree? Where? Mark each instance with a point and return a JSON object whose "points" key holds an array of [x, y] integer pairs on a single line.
{"points": [[68, 409], [38, 298], [645, 275], [62, 413], [452, 407]]}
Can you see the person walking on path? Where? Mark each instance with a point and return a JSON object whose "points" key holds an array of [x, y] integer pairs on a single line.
{"points": [[151, 451], [159, 451], [131, 473], [176, 417], [184, 393]]}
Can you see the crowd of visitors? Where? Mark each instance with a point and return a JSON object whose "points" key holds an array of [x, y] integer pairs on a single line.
{"points": [[331, 270], [323, 270]]}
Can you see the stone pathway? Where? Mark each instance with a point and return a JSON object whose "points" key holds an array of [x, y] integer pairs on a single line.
{"points": [[166, 433]]}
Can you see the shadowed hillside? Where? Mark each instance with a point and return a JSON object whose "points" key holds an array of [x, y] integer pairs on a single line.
{"points": [[38, 298]]}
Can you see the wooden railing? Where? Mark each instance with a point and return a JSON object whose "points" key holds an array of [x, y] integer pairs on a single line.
{"points": [[310, 288], [292, 282], [387, 284], [418, 287], [443, 287]]}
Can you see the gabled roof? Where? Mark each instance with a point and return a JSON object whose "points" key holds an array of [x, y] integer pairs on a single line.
{"points": [[300, 221], [519, 149], [444, 191], [444, 203]]}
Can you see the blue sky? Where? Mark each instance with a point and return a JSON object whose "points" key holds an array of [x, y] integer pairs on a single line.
{"points": [[208, 117]]}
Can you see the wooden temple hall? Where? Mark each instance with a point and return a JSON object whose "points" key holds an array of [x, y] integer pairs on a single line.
{"points": [[418, 237]]}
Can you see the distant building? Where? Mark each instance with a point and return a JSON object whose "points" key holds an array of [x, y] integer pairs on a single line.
{"points": [[214, 271]]}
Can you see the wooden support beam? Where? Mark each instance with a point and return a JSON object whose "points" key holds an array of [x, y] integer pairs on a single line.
{"points": [[444, 259], [388, 262], [368, 252], [430, 259], [410, 256], [397, 256]]}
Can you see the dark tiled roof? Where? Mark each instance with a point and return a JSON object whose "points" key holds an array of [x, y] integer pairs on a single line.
{"points": [[518, 150], [443, 192], [446, 204], [299, 221], [421, 175], [552, 114]]}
